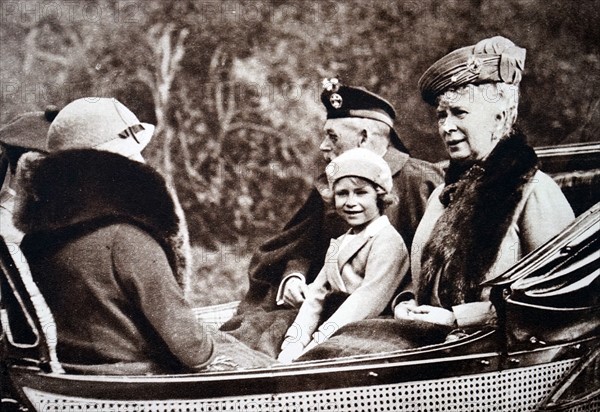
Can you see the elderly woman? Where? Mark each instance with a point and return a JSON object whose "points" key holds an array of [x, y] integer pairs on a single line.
{"points": [[495, 205]]}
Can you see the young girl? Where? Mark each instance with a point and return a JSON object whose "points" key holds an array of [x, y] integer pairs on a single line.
{"points": [[366, 264]]}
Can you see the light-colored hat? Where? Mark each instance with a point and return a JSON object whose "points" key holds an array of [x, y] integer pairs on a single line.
{"points": [[99, 123], [363, 163], [492, 60]]}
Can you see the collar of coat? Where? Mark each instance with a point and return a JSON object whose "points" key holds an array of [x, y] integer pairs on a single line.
{"points": [[480, 204], [356, 243], [83, 189], [346, 252]]}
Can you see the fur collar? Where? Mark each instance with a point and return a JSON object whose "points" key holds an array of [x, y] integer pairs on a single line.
{"points": [[82, 189], [480, 203]]}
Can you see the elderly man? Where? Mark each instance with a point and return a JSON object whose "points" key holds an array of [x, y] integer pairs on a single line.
{"points": [[285, 264]]}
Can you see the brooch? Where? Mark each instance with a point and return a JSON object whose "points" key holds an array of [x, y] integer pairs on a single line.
{"points": [[474, 64]]}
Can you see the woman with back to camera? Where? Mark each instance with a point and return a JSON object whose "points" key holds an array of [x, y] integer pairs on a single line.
{"points": [[104, 242], [107, 246]]}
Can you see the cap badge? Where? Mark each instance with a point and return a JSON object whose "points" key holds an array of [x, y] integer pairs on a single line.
{"points": [[336, 100]]}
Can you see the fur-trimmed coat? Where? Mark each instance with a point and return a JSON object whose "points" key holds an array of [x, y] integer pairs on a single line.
{"points": [[479, 224], [105, 246], [86, 186]]}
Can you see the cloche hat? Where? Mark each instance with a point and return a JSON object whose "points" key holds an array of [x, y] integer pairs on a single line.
{"points": [[99, 123]]}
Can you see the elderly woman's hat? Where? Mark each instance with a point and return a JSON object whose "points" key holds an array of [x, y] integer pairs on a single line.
{"points": [[342, 101], [492, 60], [29, 130], [363, 163], [99, 123]]}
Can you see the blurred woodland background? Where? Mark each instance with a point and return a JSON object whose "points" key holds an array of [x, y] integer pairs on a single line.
{"points": [[233, 87]]}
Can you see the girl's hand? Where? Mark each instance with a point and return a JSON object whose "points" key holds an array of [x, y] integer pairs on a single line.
{"points": [[434, 314], [290, 350], [405, 309]]}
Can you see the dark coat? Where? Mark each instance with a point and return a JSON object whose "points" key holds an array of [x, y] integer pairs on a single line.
{"points": [[101, 236]]}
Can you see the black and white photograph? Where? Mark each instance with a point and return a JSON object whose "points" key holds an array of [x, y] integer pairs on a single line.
{"points": [[300, 205]]}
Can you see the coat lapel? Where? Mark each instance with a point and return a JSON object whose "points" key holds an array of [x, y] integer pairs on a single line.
{"points": [[351, 249], [361, 239], [334, 276]]}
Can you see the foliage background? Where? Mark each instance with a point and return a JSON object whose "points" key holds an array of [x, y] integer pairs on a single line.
{"points": [[233, 87]]}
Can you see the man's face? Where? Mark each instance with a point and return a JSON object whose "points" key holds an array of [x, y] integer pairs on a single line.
{"points": [[340, 135]]}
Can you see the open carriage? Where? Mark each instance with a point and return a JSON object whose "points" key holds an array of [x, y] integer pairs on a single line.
{"points": [[544, 356]]}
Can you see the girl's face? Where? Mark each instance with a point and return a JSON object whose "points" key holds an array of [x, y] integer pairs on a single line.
{"points": [[356, 201]]}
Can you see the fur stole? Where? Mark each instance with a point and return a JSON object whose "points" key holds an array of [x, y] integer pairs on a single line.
{"points": [[480, 204], [79, 190]]}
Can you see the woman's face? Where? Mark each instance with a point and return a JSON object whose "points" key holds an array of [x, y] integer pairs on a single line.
{"points": [[470, 122]]}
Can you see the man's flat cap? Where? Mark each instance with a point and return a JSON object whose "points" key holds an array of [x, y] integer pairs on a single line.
{"points": [[345, 101]]}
